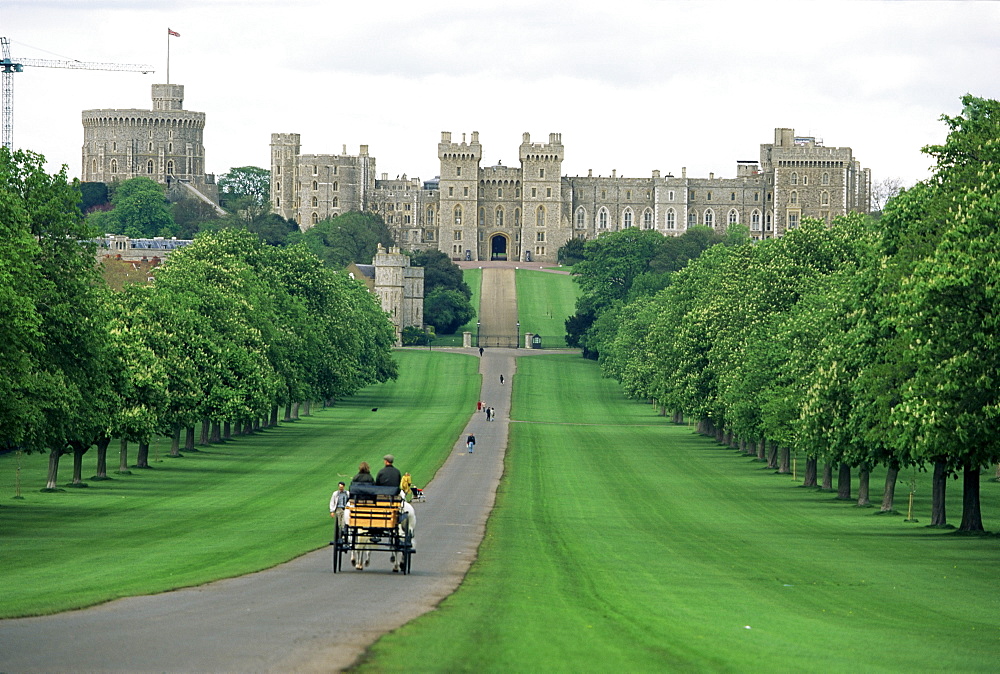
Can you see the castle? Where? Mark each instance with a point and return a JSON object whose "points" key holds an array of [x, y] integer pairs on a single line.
{"points": [[163, 144], [398, 286], [472, 212]]}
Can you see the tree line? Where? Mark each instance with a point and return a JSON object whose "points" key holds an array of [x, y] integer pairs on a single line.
{"points": [[871, 342], [231, 331]]}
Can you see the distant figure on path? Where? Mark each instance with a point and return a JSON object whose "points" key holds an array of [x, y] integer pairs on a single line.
{"points": [[501, 380], [488, 414], [470, 442], [480, 352], [479, 405], [390, 475]]}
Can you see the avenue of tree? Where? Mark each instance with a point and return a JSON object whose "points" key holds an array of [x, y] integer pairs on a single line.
{"points": [[870, 342], [232, 330]]}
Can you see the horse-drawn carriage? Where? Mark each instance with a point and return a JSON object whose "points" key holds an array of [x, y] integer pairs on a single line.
{"points": [[377, 519]]}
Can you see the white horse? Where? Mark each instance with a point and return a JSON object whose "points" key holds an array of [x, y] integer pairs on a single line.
{"points": [[363, 553], [407, 525]]}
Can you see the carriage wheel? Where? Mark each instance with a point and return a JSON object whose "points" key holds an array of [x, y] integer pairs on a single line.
{"points": [[407, 552], [337, 551]]}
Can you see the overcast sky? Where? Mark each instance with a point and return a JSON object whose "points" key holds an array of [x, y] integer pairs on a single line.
{"points": [[632, 85]]}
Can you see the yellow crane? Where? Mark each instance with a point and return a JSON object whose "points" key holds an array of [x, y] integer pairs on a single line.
{"points": [[10, 66]]}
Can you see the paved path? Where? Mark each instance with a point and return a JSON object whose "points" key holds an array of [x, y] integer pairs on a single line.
{"points": [[498, 308], [300, 616]]}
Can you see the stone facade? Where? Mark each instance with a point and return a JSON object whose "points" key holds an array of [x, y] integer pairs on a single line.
{"points": [[164, 144], [472, 212], [399, 287]]}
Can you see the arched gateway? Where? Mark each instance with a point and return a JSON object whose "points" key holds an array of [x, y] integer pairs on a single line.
{"points": [[498, 247]]}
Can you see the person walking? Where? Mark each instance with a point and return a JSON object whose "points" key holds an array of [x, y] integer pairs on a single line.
{"points": [[470, 442], [480, 352], [501, 380], [338, 502], [493, 414]]}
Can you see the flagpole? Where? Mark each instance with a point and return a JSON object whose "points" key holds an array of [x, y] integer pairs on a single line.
{"points": [[168, 56]]}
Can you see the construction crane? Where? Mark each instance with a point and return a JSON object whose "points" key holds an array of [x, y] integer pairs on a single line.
{"points": [[11, 66]]}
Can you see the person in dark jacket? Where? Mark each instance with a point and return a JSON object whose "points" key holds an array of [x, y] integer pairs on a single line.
{"points": [[364, 475], [390, 475]]}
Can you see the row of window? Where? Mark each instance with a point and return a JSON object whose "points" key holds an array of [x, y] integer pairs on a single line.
{"points": [[150, 166], [708, 219], [824, 179]]}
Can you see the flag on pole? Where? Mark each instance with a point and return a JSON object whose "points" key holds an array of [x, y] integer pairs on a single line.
{"points": [[173, 32]]}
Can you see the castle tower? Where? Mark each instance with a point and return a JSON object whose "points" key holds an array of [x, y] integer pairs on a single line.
{"points": [[541, 170], [285, 148], [390, 286], [164, 144], [459, 189]]}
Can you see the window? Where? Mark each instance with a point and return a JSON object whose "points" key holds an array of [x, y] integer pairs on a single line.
{"points": [[170, 167], [315, 218], [805, 180], [451, 191], [647, 219], [824, 198], [482, 217], [114, 147], [691, 195], [315, 185], [517, 192], [517, 217], [628, 194], [315, 170], [93, 165], [541, 173], [406, 219], [499, 217], [627, 218], [671, 219], [793, 220], [709, 218], [708, 197], [430, 215], [429, 235], [540, 217], [114, 166], [336, 202], [149, 167], [769, 195], [755, 221], [465, 191], [732, 196], [540, 237], [794, 198], [604, 194], [315, 202], [458, 215], [458, 170], [457, 234], [581, 218], [692, 219], [826, 179], [499, 193], [406, 207], [734, 217], [150, 147], [277, 187], [767, 222], [534, 192], [795, 178], [602, 218], [670, 195], [548, 191], [336, 186], [756, 196]]}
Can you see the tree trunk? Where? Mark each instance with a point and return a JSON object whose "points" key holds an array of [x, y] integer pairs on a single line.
{"points": [[844, 483], [308, 408], [175, 440], [227, 430], [295, 411], [274, 416], [102, 458], [972, 515], [189, 440], [785, 462], [939, 482], [761, 452], [54, 455], [142, 456], [864, 477], [772, 454], [123, 457], [889, 493], [288, 412], [206, 426], [810, 478], [79, 449], [827, 477]]}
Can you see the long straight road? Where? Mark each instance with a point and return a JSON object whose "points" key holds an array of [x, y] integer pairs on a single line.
{"points": [[498, 308]]}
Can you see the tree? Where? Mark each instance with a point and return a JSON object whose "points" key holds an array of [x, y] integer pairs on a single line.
{"points": [[351, 237], [571, 252], [883, 190], [141, 211], [447, 311], [439, 272], [246, 192]]}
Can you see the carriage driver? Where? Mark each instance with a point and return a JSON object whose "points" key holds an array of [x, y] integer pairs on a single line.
{"points": [[390, 475]]}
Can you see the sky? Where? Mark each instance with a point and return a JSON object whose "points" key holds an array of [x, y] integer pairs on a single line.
{"points": [[632, 86]]}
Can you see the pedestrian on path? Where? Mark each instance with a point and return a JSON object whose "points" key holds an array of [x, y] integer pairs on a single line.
{"points": [[501, 380], [470, 442], [479, 405], [480, 352], [338, 502]]}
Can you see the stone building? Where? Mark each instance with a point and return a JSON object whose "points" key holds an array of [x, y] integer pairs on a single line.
{"points": [[399, 287], [528, 212], [164, 144], [309, 188]]}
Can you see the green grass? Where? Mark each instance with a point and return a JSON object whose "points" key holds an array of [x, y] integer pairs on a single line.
{"points": [[621, 542], [544, 302], [226, 510], [474, 277]]}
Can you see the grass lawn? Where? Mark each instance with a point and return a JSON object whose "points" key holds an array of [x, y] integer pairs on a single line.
{"points": [[227, 510], [474, 277], [544, 302], [621, 542]]}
